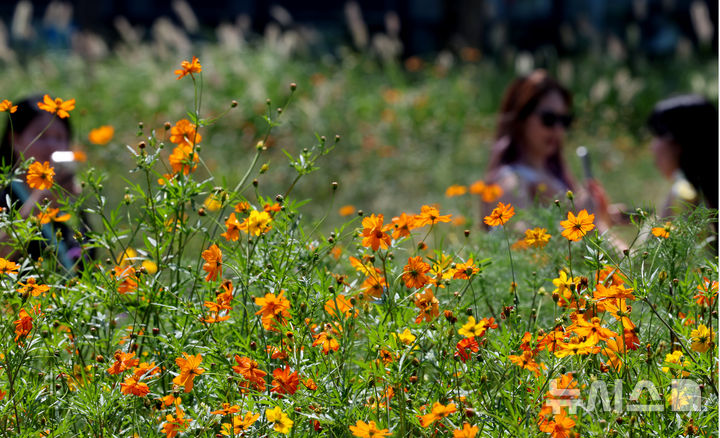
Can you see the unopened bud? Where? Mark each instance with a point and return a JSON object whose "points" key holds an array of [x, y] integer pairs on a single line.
{"points": [[167, 125], [570, 195], [334, 185], [293, 86], [233, 104]]}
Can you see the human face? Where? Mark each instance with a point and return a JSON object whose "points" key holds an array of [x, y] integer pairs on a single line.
{"points": [[43, 136], [539, 140], [667, 155]]}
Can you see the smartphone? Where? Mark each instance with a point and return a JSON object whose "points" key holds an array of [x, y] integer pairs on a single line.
{"points": [[584, 155]]}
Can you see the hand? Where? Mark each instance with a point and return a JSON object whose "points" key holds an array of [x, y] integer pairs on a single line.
{"points": [[600, 200]]}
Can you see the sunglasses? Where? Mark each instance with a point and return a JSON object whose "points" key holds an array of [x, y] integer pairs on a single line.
{"points": [[549, 119]]}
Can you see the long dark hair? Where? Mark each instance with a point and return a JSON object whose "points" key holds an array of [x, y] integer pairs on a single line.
{"points": [[27, 111], [519, 102], [691, 122]]}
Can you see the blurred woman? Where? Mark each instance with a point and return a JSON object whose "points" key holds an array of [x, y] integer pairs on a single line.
{"points": [[527, 159], [685, 146], [33, 133]]}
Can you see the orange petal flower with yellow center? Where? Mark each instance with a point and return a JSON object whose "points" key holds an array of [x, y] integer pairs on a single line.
{"points": [[40, 176], [57, 106]]}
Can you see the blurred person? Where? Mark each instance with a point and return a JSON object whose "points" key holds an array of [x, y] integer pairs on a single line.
{"points": [[527, 159], [34, 133], [685, 147]]}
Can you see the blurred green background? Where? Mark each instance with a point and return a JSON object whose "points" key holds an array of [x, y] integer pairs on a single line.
{"points": [[410, 125]]}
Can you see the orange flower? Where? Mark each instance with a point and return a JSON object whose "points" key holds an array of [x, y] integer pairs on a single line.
{"points": [[429, 306], [233, 228], [242, 207], [8, 267], [123, 361], [373, 233], [101, 135], [707, 292], [663, 231], [184, 159], [213, 262], [560, 427], [429, 216], [347, 210], [526, 361], [500, 215], [132, 386], [464, 271], [6, 105], [32, 288], [248, 368], [23, 325], [455, 190], [239, 425], [145, 368], [227, 410], [491, 193], [477, 187], [273, 309], [414, 273], [439, 412], [175, 425], [127, 278], [189, 368], [464, 345], [57, 106], [285, 382], [466, 432], [592, 331], [368, 430], [340, 304], [40, 176], [327, 341], [184, 133], [575, 227], [51, 214], [189, 68], [403, 225], [374, 285]]}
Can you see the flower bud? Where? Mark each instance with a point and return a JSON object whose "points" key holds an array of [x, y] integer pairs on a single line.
{"points": [[233, 104], [293, 86], [167, 125]]}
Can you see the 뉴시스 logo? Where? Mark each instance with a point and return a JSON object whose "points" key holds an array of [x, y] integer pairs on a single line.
{"points": [[684, 396]]}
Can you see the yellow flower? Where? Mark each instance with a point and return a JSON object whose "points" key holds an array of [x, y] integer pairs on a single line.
{"points": [[675, 358], [537, 237], [212, 203], [702, 338], [257, 223], [282, 423], [101, 135], [406, 337]]}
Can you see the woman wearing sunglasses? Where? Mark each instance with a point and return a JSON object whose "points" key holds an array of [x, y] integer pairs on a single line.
{"points": [[527, 158]]}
